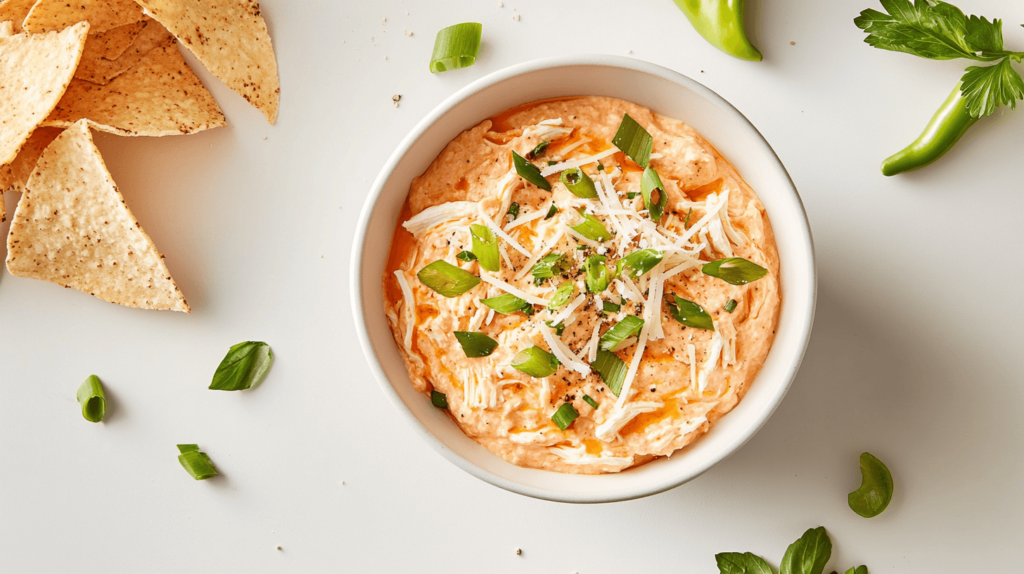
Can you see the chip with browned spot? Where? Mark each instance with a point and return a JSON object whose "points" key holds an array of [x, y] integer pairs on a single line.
{"points": [[102, 15], [113, 42]]}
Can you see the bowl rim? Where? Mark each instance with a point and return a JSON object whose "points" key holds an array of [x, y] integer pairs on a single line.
{"points": [[449, 103]]}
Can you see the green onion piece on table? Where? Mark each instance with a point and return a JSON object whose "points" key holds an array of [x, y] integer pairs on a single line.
{"points": [[475, 345], [485, 247], [243, 367], [875, 490], [611, 369], [634, 141], [456, 47], [590, 401], [447, 279], [92, 399], [535, 362], [650, 184], [578, 183], [609, 307], [730, 305], [561, 296], [535, 152], [195, 462], [439, 400], [529, 172], [591, 228], [506, 303], [596, 273], [689, 313], [551, 212], [513, 210], [637, 263], [564, 416], [466, 256], [734, 270], [550, 265], [622, 330]]}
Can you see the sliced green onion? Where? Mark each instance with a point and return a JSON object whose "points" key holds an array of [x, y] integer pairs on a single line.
{"points": [[564, 416], [650, 183], [456, 47], [591, 228], [92, 399], [690, 314], [506, 303], [561, 296], [551, 212], [552, 162], [734, 270], [195, 462], [578, 183], [537, 150], [622, 330], [631, 194], [559, 328], [243, 367], [535, 362], [612, 370], [513, 210], [529, 172], [637, 263], [686, 222], [528, 310], [447, 279], [485, 247], [590, 401], [609, 307], [730, 305], [550, 265], [581, 247], [466, 256], [596, 272], [475, 345], [634, 141], [439, 400]]}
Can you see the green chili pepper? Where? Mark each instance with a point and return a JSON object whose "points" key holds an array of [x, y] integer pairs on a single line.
{"points": [[721, 24], [947, 126]]}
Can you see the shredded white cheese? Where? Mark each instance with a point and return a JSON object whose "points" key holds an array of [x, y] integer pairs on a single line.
{"points": [[409, 306], [564, 354], [500, 232], [568, 309], [523, 219], [595, 339], [580, 456], [710, 363], [691, 351], [514, 291], [621, 415], [439, 214], [577, 162]]}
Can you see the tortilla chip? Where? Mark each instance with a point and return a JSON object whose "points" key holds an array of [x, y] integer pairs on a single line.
{"points": [[72, 228], [15, 11], [102, 15], [101, 71], [112, 43], [158, 97], [14, 175], [34, 72], [6, 28], [231, 39]]}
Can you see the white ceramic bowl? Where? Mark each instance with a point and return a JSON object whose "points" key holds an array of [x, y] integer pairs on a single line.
{"points": [[670, 94]]}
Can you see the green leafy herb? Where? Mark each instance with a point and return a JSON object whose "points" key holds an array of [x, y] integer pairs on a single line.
{"points": [[611, 369], [529, 172], [634, 141], [513, 210], [506, 303], [858, 570], [197, 463], [92, 399], [809, 554], [650, 184], [622, 330], [439, 400], [243, 367], [730, 305], [734, 270], [578, 183], [551, 212], [466, 256], [596, 273], [456, 47], [535, 362], [559, 328], [485, 247], [741, 563], [535, 152], [989, 87], [592, 228], [475, 345], [590, 401], [447, 279], [689, 313], [875, 490], [564, 416], [561, 296], [637, 263], [609, 307], [549, 266]]}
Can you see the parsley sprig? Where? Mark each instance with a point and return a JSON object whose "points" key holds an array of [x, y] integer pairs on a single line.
{"points": [[939, 31]]}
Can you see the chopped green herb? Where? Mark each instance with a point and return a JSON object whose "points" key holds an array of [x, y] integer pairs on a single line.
{"points": [[591, 228], [475, 345], [730, 305], [578, 183], [466, 256], [634, 141], [596, 272], [611, 369], [559, 328], [197, 463], [439, 400], [590, 401], [686, 222], [506, 303], [535, 152], [561, 296], [637, 263], [564, 416], [529, 172], [93, 401], [631, 194], [552, 162], [535, 362], [550, 265], [551, 212], [456, 47], [689, 313], [600, 166], [447, 279], [650, 184], [875, 490], [609, 307], [513, 210], [624, 329], [734, 270], [485, 247], [243, 367]]}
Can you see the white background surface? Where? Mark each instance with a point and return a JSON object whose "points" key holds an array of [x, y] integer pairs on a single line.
{"points": [[914, 355]]}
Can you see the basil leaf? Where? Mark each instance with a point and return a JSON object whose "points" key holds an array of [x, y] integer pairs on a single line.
{"points": [[447, 279], [592, 228], [550, 265], [634, 141], [485, 247], [689, 313], [622, 330], [650, 183], [243, 367], [741, 563], [734, 270], [94, 402], [561, 296], [564, 416], [529, 172], [934, 30], [637, 263], [439, 400], [986, 88], [596, 272], [809, 554], [196, 463], [611, 369], [466, 256], [858, 570], [475, 345], [578, 183], [535, 362], [875, 490], [506, 303]]}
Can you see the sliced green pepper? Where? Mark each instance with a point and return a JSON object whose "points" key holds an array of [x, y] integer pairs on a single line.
{"points": [[721, 24], [946, 128]]}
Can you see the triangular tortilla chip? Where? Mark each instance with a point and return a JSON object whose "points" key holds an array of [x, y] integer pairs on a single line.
{"points": [[15, 11], [14, 176], [231, 39], [112, 43], [72, 228], [34, 72], [99, 70], [158, 97], [102, 15]]}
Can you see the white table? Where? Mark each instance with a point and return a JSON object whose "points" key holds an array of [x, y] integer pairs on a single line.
{"points": [[914, 355]]}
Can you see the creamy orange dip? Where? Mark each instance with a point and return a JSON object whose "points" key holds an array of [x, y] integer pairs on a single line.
{"points": [[675, 381]]}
